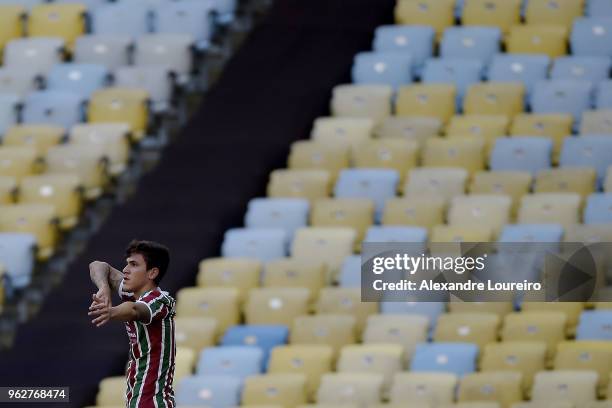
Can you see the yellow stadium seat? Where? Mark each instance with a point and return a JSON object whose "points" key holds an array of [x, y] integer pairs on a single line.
{"points": [[185, 363], [443, 182], [240, 273], [435, 100], [219, 303], [494, 98], [415, 128], [467, 153], [550, 208], [111, 391], [60, 190], [11, 23], [396, 154], [312, 360], [38, 137], [586, 355], [327, 406], [276, 305], [367, 101], [404, 330], [436, 13], [499, 308], [36, 219], [527, 357], [476, 404], [580, 180], [588, 233], [426, 388], [124, 105], [333, 300], [499, 13], [335, 330], [361, 389], [478, 328], [553, 12], [548, 327], [309, 184], [503, 387], [308, 154], [64, 20], [578, 387], [345, 132], [295, 273], [285, 389], [544, 404], [328, 244], [453, 233], [195, 333], [17, 162], [8, 189], [88, 162], [571, 310], [556, 126], [537, 39], [111, 138], [511, 183], [487, 127], [418, 211], [596, 122], [487, 209], [355, 213]]}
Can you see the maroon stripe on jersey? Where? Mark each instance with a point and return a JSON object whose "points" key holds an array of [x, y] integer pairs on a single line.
{"points": [[154, 294], [150, 379]]}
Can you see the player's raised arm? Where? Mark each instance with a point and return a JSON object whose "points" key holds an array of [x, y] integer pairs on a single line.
{"points": [[105, 276], [124, 312]]}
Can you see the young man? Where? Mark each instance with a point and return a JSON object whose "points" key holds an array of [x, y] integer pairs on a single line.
{"points": [[148, 313]]}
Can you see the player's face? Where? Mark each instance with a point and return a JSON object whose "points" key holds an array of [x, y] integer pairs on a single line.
{"points": [[135, 273]]}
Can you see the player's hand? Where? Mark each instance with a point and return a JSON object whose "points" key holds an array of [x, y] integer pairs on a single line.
{"points": [[103, 296], [100, 309]]}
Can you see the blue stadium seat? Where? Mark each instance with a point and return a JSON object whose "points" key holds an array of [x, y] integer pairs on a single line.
{"points": [[595, 325], [350, 272], [287, 213], [82, 79], [396, 233], [471, 42], [592, 36], [264, 244], [531, 233], [17, 252], [386, 68], [525, 68], [210, 391], [603, 95], [9, 110], [122, 18], [416, 41], [599, 8], [456, 358], [224, 11], [598, 209], [53, 107], [594, 69], [186, 17], [588, 151], [235, 361], [530, 154], [562, 96], [461, 72], [375, 184], [266, 337]]}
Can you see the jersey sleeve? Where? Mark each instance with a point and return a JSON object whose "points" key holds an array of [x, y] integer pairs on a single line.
{"points": [[157, 304], [124, 295]]}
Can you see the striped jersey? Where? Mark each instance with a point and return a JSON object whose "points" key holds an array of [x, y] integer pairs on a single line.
{"points": [[150, 370]]}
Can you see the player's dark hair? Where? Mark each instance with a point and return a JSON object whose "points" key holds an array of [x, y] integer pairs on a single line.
{"points": [[155, 255]]}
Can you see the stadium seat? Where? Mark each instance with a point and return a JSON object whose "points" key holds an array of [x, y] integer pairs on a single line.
{"points": [[195, 332], [396, 233], [355, 213], [543, 404], [384, 68], [591, 36], [8, 190], [61, 108], [417, 211], [502, 14], [427, 388], [214, 391], [598, 209], [190, 17], [595, 325], [485, 127], [39, 137], [596, 122], [368, 101], [395, 154], [571, 310], [284, 389], [431, 310], [554, 126], [359, 389], [525, 68], [488, 209], [9, 111], [499, 308], [415, 40], [404, 330], [11, 21], [335, 330], [184, 363], [219, 303], [110, 138], [562, 96], [240, 273], [460, 72], [603, 95], [531, 154], [466, 153], [503, 387], [607, 187], [307, 184], [494, 99], [287, 213], [17, 162], [586, 355], [82, 79], [36, 219], [592, 233], [110, 50], [455, 358], [157, 81], [39, 53], [62, 20], [574, 386], [18, 80], [588, 151], [266, 337], [121, 18], [121, 105], [437, 14], [17, 252], [559, 12], [295, 273], [233, 361], [427, 100], [342, 131], [594, 69], [461, 233], [599, 8], [444, 182], [385, 359], [550, 40], [416, 129], [375, 184], [551, 208], [477, 328], [531, 233], [261, 243], [111, 391], [275, 305], [525, 357], [580, 180], [318, 155], [479, 43], [333, 300], [172, 51]]}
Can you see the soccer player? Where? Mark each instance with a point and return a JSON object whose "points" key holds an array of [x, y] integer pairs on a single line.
{"points": [[148, 313]]}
